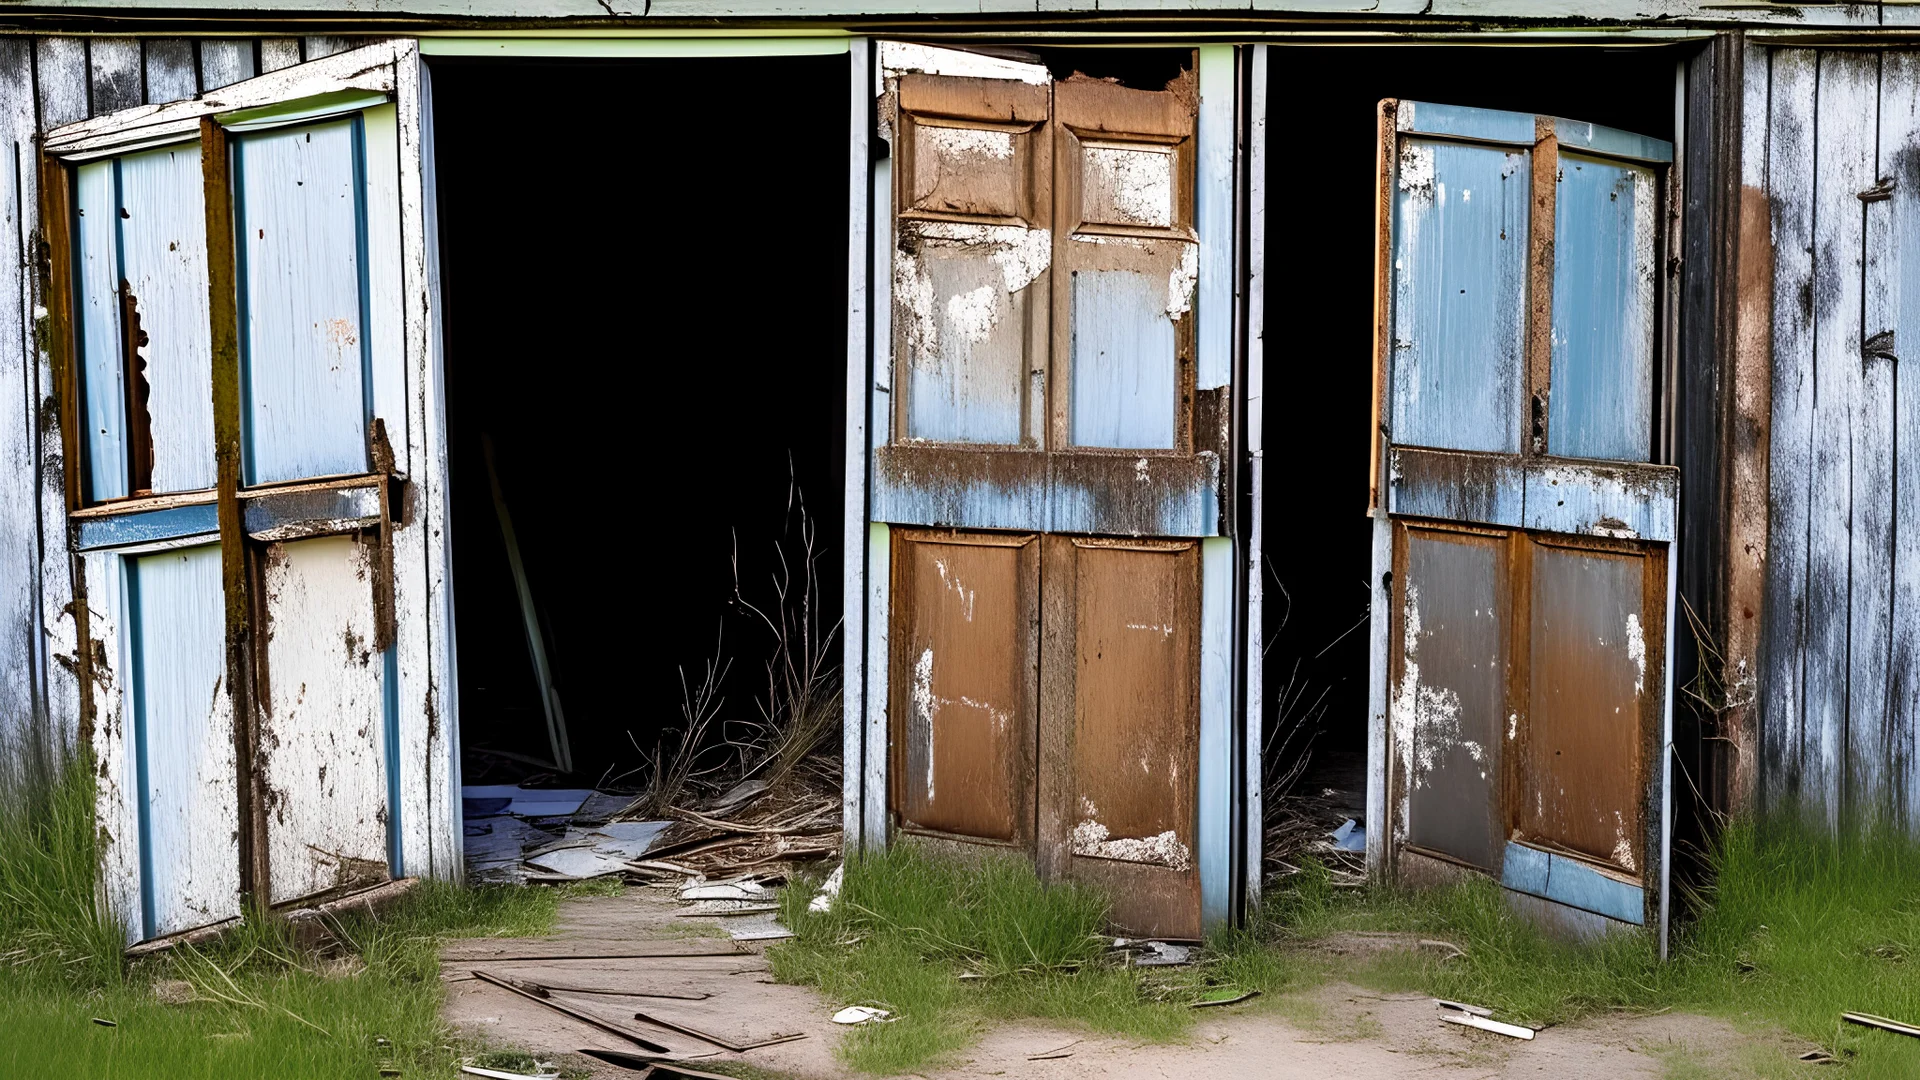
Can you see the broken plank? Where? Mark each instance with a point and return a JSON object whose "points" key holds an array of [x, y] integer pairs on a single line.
{"points": [[716, 1040], [589, 1019], [1881, 1022], [1513, 1031]]}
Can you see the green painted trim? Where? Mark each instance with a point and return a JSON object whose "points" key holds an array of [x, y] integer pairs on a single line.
{"points": [[318, 106], [609, 47]]}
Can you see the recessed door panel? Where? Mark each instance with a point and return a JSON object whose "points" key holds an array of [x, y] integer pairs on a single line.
{"points": [[1449, 694], [1605, 230], [1581, 777], [325, 719], [1460, 216], [1132, 754], [963, 682], [183, 740]]}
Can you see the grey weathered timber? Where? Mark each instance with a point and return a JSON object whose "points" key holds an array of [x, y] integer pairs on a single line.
{"points": [[60, 66], [277, 53], [172, 72], [1896, 289], [1790, 185], [116, 75], [22, 728], [223, 63]]}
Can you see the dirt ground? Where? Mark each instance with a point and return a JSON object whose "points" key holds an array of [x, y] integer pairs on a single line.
{"points": [[1335, 1030]]}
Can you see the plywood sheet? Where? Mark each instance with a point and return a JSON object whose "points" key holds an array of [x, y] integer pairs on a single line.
{"points": [[964, 682]]}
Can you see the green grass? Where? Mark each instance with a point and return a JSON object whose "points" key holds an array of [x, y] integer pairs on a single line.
{"points": [[951, 945], [1796, 930], [260, 1006]]}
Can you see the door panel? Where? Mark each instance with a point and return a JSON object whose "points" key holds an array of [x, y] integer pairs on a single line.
{"points": [[1132, 668], [964, 681], [1126, 259], [324, 722], [300, 217], [1582, 766], [1449, 694], [1605, 224], [971, 255], [1460, 295], [183, 737]]}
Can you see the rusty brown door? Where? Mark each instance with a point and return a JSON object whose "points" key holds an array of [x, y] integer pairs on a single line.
{"points": [[1524, 513], [1048, 470]]}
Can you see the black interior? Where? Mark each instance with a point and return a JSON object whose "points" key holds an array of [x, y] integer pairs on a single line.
{"points": [[1321, 131], [643, 270]]}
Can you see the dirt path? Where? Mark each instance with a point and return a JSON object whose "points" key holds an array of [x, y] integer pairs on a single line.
{"points": [[1338, 1030]]}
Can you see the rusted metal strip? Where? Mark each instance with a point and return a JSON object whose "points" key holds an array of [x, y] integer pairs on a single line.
{"points": [[380, 454], [513, 986], [223, 311], [738, 1048], [1389, 141], [1540, 233], [54, 263]]}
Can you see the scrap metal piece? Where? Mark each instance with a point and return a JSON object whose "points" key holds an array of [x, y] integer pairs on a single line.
{"points": [[716, 1040], [608, 1026]]}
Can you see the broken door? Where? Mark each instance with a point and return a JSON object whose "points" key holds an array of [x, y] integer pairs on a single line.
{"points": [[1041, 400], [1524, 522], [242, 301]]}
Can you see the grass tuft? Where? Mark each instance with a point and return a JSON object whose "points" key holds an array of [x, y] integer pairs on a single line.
{"points": [[951, 945], [51, 925]]}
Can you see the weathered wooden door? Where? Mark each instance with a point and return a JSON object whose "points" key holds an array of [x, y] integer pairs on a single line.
{"points": [[241, 304], [1524, 519], [1049, 467]]}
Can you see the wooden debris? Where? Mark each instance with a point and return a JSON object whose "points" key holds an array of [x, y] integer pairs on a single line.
{"points": [[1881, 1022], [1056, 1053], [589, 1019], [738, 1048], [1512, 1031], [1456, 1006], [1248, 996]]}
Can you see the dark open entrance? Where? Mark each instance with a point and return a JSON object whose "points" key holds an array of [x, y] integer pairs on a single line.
{"points": [[1320, 249], [643, 269]]}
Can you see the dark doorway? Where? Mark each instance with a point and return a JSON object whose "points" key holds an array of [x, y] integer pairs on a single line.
{"points": [[643, 270], [1319, 350]]}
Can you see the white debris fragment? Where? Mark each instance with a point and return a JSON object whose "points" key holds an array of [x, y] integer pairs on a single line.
{"points": [[862, 1014], [1091, 838], [733, 890], [822, 901]]}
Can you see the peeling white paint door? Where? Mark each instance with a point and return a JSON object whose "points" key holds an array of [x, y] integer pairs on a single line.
{"points": [[329, 589]]}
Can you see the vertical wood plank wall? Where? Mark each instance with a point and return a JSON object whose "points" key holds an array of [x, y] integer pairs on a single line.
{"points": [[46, 82], [1839, 695]]}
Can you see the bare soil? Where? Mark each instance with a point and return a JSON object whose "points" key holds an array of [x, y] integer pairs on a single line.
{"points": [[1335, 1030]]}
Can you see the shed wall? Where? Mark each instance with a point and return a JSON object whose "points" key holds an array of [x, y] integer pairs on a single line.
{"points": [[1840, 696]]}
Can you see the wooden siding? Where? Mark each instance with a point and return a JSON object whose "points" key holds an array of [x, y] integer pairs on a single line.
{"points": [[1839, 700], [46, 82]]}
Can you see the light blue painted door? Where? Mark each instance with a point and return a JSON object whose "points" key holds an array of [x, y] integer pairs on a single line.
{"points": [[183, 740]]}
